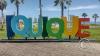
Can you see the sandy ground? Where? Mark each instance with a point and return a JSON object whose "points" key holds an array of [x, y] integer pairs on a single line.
{"points": [[50, 49]]}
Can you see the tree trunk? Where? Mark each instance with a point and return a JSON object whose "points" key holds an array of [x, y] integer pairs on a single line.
{"points": [[68, 13], [95, 22], [2, 21], [17, 6], [62, 9], [40, 6]]}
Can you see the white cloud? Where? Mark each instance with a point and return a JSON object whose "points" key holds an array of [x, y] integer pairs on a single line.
{"points": [[85, 7], [50, 9], [71, 8]]}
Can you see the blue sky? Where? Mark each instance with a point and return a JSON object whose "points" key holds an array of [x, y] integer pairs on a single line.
{"points": [[30, 8]]}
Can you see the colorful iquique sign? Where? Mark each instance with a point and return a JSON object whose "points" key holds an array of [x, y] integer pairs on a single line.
{"points": [[44, 27]]}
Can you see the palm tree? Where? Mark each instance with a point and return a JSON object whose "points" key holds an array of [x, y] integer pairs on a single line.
{"points": [[84, 15], [62, 4], [17, 3], [3, 5], [95, 16]]}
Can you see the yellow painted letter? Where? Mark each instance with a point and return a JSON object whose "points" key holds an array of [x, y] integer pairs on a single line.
{"points": [[74, 29]]}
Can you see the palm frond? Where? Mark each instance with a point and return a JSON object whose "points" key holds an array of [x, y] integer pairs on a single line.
{"points": [[56, 2], [68, 2], [22, 1], [95, 16], [12, 1], [84, 15]]}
